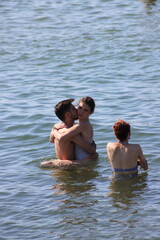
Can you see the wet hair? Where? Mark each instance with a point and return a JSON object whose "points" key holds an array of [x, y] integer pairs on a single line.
{"points": [[62, 107], [89, 101], [121, 129]]}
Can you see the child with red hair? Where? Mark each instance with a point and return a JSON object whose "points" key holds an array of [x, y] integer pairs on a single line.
{"points": [[123, 156]]}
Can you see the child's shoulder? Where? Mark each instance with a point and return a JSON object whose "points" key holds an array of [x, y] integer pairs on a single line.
{"points": [[134, 145], [85, 124], [112, 145]]}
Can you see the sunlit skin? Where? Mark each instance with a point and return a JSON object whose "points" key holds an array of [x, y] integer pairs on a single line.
{"points": [[83, 112], [73, 115], [65, 135], [83, 127], [122, 154]]}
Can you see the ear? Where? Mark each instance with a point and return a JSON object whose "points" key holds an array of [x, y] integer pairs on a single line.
{"points": [[67, 115]]}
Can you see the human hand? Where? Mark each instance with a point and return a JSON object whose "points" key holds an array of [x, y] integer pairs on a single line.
{"points": [[143, 165], [52, 138], [59, 126]]}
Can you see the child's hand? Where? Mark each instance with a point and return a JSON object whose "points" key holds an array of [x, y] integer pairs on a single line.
{"points": [[138, 163], [59, 126], [143, 165]]}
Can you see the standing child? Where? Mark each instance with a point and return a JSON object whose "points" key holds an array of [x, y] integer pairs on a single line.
{"points": [[123, 156]]}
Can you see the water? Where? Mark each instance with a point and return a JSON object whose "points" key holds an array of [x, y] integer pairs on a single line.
{"points": [[53, 50]]}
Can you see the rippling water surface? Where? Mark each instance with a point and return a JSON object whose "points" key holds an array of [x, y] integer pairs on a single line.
{"points": [[53, 50]]}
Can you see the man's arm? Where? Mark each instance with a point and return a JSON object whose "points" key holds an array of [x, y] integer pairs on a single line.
{"points": [[74, 136], [69, 132], [77, 139]]}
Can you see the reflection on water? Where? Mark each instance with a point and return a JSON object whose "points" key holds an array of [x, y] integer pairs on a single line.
{"points": [[74, 181], [72, 191], [149, 3], [123, 192]]}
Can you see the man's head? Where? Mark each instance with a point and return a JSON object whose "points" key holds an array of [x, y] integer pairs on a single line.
{"points": [[121, 130], [66, 107]]}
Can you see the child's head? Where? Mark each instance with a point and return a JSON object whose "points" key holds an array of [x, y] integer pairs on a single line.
{"points": [[62, 107], [89, 101], [121, 130]]}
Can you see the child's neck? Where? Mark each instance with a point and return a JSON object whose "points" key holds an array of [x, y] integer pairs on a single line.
{"points": [[84, 121], [124, 142]]}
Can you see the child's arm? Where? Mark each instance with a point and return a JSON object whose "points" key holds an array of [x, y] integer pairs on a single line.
{"points": [[88, 147], [142, 160], [59, 125], [77, 139], [70, 132]]}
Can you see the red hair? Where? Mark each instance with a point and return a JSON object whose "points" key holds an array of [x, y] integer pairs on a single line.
{"points": [[121, 130]]}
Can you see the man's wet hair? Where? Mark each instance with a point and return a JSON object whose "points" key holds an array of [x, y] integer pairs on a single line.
{"points": [[89, 101], [62, 107]]}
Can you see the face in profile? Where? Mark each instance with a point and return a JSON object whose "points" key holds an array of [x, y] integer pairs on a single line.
{"points": [[73, 112]]}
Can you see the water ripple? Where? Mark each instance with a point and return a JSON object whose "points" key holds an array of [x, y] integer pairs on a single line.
{"points": [[56, 50]]}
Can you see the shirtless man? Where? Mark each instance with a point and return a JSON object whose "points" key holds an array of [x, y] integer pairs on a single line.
{"points": [[123, 156], [65, 150]]}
